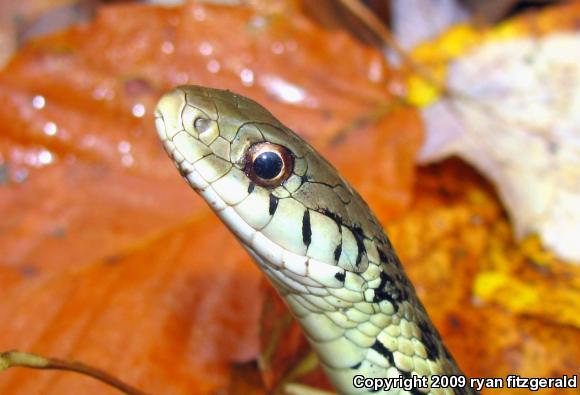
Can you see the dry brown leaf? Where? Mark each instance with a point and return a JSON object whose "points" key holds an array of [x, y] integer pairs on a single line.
{"points": [[513, 92], [107, 256]]}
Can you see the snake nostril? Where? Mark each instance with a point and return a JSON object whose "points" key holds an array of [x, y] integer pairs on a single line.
{"points": [[202, 124]]}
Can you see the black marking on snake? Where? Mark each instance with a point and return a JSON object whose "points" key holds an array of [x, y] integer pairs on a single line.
{"points": [[430, 338], [408, 375], [273, 204], [304, 179], [251, 187], [388, 355], [389, 259], [356, 231], [388, 290], [404, 283], [359, 237], [333, 216], [382, 256], [337, 252], [356, 366], [397, 261], [306, 229], [340, 276], [384, 351]]}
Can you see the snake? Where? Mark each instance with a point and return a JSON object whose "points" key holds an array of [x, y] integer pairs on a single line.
{"points": [[314, 238]]}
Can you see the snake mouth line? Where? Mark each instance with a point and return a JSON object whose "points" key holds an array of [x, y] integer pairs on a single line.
{"points": [[286, 267], [290, 269]]}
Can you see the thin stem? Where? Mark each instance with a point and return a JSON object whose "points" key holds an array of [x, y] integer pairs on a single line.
{"points": [[376, 26], [11, 359]]}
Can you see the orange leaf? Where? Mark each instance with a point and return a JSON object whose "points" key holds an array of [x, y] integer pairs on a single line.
{"points": [[108, 257]]}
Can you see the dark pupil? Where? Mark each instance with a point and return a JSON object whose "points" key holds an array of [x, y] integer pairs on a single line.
{"points": [[268, 165]]}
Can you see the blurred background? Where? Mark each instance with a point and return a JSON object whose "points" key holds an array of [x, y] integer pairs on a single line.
{"points": [[458, 121]]}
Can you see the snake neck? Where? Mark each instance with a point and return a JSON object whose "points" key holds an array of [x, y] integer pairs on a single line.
{"points": [[375, 327]]}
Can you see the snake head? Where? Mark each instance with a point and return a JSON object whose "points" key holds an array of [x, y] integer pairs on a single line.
{"points": [[211, 131], [287, 204]]}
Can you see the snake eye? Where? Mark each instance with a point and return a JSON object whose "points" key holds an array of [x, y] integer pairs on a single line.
{"points": [[268, 164]]}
